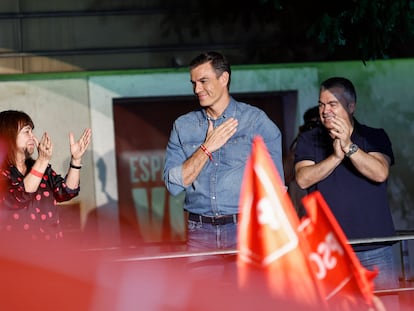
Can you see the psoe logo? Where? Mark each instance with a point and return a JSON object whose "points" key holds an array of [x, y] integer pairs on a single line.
{"points": [[326, 256]]}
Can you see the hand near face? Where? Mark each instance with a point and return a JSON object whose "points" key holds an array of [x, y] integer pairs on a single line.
{"points": [[44, 147], [341, 131], [337, 149], [217, 137]]}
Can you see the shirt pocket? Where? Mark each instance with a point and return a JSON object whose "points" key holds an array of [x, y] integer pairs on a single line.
{"points": [[237, 150]]}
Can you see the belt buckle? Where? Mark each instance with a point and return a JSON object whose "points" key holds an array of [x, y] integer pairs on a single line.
{"points": [[217, 221]]}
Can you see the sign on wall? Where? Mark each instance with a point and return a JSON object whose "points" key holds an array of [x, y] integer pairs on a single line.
{"points": [[148, 213]]}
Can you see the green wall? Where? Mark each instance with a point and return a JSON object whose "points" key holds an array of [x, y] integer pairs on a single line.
{"points": [[385, 99]]}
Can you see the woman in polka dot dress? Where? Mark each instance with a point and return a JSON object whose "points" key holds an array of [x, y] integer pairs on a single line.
{"points": [[30, 188]]}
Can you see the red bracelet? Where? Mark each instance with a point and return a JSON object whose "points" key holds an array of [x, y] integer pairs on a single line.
{"points": [[208, 153], [36, 173]]}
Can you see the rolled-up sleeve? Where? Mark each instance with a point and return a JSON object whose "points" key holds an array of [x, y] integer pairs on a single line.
{"points": [[174, 159], [173, 180]]}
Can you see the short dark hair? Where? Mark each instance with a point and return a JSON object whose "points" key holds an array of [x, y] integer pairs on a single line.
{"points": [[349, 88], [311, 119], [312, 114], [218, 61]]}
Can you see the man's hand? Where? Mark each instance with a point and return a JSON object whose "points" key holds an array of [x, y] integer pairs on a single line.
{"points": [[217, 137], [341, 130], [338, 152]]}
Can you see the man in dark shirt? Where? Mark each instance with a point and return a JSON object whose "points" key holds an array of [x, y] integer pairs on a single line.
{"points": [[349, 164]]}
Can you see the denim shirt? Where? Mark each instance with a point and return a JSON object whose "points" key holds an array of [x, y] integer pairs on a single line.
{"points": [[216, 190]]}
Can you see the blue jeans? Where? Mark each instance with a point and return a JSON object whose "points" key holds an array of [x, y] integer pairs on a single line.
{"points": [[383, 259], [387, 278], [206, 237]]}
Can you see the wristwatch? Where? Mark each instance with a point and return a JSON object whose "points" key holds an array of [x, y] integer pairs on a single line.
{"points": [[352, 149]]}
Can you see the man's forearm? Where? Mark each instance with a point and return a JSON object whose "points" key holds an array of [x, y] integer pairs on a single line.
{"points": [[372, 165], [193, 166], [308, 173]]}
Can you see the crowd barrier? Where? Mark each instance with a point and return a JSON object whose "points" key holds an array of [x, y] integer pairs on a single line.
{"points": [[405, 260]]}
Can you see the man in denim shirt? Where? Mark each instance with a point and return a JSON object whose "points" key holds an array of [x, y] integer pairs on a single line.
{"points": [[207, 152]]}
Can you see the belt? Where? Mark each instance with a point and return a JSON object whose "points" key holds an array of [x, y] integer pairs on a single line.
{"points": [[214, 220]]}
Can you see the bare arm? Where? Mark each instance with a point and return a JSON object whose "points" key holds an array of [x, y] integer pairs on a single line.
{"points": [[193, 166], [373, 165], [45, 150], [308, 173], [215, 139]]}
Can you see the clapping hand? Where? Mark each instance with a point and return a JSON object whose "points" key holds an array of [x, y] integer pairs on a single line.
{"points": [[44, 147], [77, 149]]}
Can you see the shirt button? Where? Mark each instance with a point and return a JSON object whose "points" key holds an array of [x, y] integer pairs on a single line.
{"points": [[213, 198]]}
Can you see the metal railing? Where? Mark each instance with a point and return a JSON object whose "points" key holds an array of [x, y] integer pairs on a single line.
{"points": [[404, 256]]}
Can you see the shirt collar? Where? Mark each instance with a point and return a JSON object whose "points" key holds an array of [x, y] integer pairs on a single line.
{"points": [[231, 109], [229, 112], [357, 129]]}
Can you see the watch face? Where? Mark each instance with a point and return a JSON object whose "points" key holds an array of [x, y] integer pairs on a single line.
{"points": [[352, 149]]}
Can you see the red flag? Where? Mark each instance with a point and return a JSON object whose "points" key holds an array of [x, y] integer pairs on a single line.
{"points": [[272, 254], [344, 282]]}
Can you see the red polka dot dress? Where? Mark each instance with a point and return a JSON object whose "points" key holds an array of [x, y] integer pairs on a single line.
{"points": [[35, 215]]}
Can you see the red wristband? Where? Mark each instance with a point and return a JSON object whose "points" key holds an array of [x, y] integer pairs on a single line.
{"points": [[208, 153], [36, 173]]}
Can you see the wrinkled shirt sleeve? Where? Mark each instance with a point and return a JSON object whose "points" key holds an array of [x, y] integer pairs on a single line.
{"points": [[174, 160], [61, 191], [273, 139]]}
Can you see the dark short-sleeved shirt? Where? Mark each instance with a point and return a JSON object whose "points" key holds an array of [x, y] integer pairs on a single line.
{"points": [[360, 205]]}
